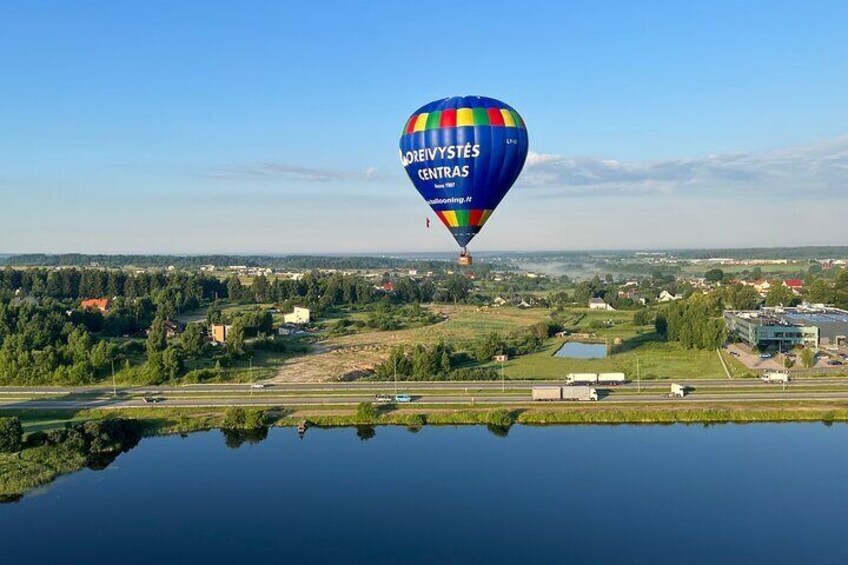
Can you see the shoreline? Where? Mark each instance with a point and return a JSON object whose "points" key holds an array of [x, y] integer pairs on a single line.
{"points": [[34, 467]]}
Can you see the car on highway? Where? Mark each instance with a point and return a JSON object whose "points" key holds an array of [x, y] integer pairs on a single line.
{"points": [[151, 400], [403, 398], [257, 385], [382, 398]]}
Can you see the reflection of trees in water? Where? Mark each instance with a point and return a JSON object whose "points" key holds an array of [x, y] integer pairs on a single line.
{"points": [[365, 432], [235, 438], [10, 498], [499, 431]]}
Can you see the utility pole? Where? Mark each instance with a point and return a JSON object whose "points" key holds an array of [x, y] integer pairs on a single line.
{"points": [[114, 386], [503, 381], [638, 381]]}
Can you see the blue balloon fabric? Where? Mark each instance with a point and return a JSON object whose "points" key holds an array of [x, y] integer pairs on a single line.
{"points": [[463, 154]]}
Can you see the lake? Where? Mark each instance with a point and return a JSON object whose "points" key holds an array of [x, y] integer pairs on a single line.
{"points": [[580, 350], [682, 494]]}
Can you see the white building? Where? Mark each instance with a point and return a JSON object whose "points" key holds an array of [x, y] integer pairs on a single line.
{"points": [[300, 315], [666, 296], [599, 304]]}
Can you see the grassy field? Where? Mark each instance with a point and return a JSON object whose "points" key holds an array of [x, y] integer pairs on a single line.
{"points": [[351, 356], [767, 270]]}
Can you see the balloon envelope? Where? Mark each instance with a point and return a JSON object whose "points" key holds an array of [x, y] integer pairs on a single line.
{"points": [[463, 154]]}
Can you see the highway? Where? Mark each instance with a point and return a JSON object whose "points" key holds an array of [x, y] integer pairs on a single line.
{"points": [[422, 393], [405, 386]]}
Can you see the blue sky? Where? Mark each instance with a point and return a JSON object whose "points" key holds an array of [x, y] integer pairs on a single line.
{"points": [[272, 126]]}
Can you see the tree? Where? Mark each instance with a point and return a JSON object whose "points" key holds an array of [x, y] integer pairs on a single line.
{"points": [[192, 341], [366, 411], [156, 337], [742, 297], [458, 288], [11, 435], [235, 338], [172, 363], [808, 359], [643, 317], [779, 295], [234, 288], [714, 275]]}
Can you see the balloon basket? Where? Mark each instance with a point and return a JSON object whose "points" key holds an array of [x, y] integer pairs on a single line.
{"points": [[464, 258]]}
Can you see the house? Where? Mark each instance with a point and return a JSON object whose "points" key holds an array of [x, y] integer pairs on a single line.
{"points": [[299, 315], [795, 285], [499, 301], [389, 286], [762, 286], [666, 296], [287, 329], [219, 332], [173, 328], [599, 304], [102, 304], [501, 358]]}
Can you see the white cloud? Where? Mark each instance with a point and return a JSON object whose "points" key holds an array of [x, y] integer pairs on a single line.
{"points": [[820, 169], [270, 170]]}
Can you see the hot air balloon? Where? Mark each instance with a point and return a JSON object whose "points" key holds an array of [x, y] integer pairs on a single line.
{"points": [[463, 154]]}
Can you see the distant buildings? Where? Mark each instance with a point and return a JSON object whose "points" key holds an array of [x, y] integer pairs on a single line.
{"points": [[807, 325], [795, 285], [666, 296], [599, 304], [219, 332], [102, 304], [299, 315]]}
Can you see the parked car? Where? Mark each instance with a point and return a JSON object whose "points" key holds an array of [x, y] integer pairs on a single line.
{"points": [[765, 355], [834, 362]]}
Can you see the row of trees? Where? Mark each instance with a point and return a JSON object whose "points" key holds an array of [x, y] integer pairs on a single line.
{"points": [[695, 322]]}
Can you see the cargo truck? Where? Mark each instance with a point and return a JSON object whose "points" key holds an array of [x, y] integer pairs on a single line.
{"points": [[611, 379], [547, 393], [677, 391], [775, 377], [579, 393], [581, 378]]}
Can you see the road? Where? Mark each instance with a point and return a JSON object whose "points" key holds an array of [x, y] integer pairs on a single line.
{"points": [[376, 386], [429, 393]]}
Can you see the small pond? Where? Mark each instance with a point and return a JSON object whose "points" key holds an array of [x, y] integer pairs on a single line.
{"points": [[580, 350]]}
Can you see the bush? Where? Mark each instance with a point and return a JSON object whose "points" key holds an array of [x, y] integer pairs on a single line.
{"points": [[413, 420], [500, 417], [237, 418], [11, 435], [366, 411]]}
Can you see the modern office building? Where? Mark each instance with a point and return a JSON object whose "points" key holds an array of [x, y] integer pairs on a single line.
{"points": [[783, 328]]}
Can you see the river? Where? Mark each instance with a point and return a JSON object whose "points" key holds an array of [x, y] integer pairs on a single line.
{"points": [[681, 494]]}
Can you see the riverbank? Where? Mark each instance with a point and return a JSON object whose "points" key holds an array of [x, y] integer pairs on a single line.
{"points": [[40, 464]]}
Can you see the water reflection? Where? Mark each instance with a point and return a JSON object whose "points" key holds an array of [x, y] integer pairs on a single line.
{"points": [[236, 438], [365, 432]]}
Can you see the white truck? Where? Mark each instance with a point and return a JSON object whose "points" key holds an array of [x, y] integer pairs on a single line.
{"points": [[581, 378], [547, 393], [677, 391], [781, 377], [579, 393], [611, 379]]}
